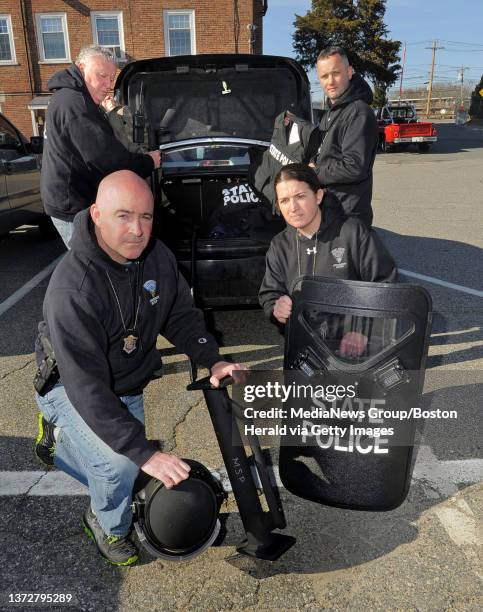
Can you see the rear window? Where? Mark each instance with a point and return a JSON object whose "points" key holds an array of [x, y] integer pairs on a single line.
{"points": [[207, 156], [403, 113]]}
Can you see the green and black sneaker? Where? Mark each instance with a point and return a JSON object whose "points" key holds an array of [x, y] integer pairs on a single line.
{"points": [[45, 443], [118, 550]]}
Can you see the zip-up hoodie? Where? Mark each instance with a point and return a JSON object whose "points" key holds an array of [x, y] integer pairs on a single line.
{"points": [[349, 143], [83, 321], [80, 148], [294, 140], [342, 248]]}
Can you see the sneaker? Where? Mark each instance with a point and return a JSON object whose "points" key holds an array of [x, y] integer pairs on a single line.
{"points": [[118, 550], [45, 443]]}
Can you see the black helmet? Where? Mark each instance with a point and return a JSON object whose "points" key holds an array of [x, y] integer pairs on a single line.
{"points": [[179, 523]]}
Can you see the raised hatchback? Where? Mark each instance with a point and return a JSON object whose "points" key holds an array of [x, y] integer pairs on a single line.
{"points": [[211, 115]]}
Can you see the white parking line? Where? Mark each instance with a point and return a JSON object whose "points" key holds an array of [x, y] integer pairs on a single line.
{"points": [[31, 284], [439, 478], [459, 522], [463, 528], [438, 281]]}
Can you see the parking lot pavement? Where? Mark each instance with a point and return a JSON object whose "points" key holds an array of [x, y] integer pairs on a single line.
{"points": [[420, 556]]}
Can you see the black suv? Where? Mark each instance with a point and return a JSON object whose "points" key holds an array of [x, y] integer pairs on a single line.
{"points": [[20, 202], [211, 115]]}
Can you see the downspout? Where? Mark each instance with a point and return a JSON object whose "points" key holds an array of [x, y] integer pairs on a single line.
{"points": [[27, 48], [236, 25]]}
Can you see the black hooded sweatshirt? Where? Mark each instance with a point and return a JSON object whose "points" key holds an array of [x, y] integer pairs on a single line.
{"points": [[80, 148], [294, 140], [83, 322], [349, 143], [344, 248]]}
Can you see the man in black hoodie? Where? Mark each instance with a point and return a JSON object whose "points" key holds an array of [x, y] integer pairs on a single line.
{"points": [[80, 146], [108, 300], [349, 135]]}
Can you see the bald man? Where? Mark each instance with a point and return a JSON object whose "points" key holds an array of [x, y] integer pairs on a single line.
{"points": [[107, 301]]}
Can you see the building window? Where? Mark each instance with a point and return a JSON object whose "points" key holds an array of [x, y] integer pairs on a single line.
{"points": [[7, 48], [53, 37], [179, 32], [107, 31]]}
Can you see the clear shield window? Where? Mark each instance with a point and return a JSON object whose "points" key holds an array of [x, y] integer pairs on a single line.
{"points": [[354, 338]]}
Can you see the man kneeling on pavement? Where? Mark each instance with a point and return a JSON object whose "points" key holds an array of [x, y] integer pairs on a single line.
{"points": [[107, 301]]}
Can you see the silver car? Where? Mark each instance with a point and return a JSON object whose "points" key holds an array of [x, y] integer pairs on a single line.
{"points": [[20, 202]]}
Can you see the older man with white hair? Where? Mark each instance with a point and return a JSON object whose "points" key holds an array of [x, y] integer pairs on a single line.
{"points": [[80, 147]]}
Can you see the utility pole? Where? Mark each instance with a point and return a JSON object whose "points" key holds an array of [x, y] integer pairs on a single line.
{"points": [[461, 77], [402, 72], [434, 47]]}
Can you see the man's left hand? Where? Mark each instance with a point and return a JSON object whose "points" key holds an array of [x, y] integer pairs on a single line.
{"points": [[238, 371]]}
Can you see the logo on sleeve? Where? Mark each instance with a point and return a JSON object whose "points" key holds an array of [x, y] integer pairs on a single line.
{"points": [[150, 287], [202, 340], [338, 255]]}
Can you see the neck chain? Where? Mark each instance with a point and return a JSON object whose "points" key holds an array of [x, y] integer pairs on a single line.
{"points": [[314, 251], [130, 340]]}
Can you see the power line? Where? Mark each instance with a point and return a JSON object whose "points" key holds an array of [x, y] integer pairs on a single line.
{"points": [[457, 67], [420, 42], [456, 42], [465, 50]]}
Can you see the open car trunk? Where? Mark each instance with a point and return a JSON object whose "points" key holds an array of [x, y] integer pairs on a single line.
{"points": [[221, 223], [209, 114]]}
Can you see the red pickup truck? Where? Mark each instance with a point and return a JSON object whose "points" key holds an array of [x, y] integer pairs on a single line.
{"points": [[398, 125]]}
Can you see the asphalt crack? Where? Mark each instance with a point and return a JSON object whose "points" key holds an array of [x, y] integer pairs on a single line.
{"points": [[42, 474], [182, 421], [15, 370]]}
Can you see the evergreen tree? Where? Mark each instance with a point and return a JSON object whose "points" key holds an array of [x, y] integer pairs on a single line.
{"points": [[356, 25], [476, 106]]}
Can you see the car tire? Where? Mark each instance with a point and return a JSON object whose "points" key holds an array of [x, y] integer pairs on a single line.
{"points": [[47, 229], [423, 147], [385, 147]]}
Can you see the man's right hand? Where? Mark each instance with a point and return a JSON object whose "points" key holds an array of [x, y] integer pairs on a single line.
{"points": [[170, 470], [109, 103], [156, 155], [282, 308]]}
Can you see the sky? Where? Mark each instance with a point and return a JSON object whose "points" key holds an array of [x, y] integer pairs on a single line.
{"points": [[456, 26]]}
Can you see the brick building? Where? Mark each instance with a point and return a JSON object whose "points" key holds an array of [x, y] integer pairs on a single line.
{"points": [[40, 37]]}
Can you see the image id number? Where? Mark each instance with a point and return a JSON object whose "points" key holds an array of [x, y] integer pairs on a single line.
{"points": [[40, 598]]}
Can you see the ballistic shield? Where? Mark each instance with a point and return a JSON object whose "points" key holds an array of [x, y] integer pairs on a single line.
{"points": [[370, 339]]}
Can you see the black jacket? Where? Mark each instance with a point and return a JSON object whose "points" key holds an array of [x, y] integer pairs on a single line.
{"points": [[83, 322], [80, 148], [346, 156], [294, 140], [345, 249]]}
